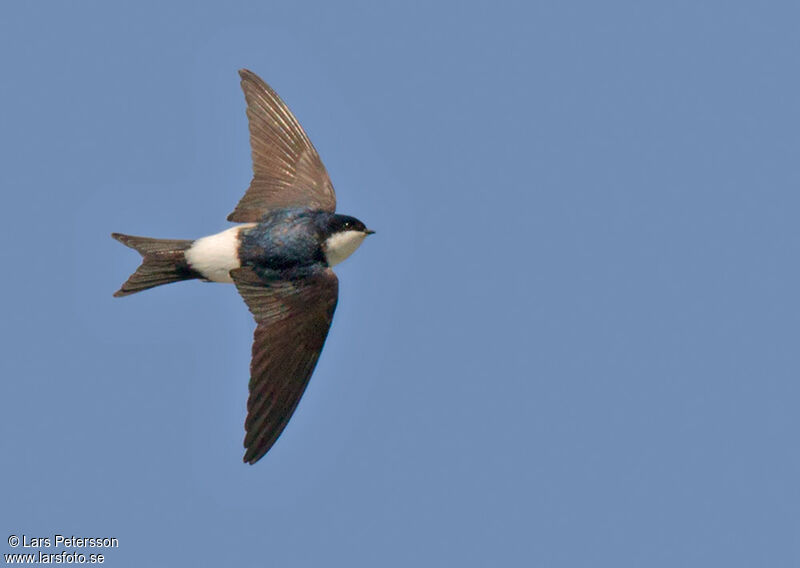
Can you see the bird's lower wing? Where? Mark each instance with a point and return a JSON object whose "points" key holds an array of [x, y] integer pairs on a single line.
{"points": [[293, 319]]}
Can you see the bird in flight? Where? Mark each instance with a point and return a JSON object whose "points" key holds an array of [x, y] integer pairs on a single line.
{"points": [[279, 257]]}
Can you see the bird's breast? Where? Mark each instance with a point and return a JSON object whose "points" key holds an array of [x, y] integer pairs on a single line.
{"points": [[281, 246]]}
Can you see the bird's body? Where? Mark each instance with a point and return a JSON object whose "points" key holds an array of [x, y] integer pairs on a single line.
{"points": [[284, 244], [279, 257], [214, 256]]}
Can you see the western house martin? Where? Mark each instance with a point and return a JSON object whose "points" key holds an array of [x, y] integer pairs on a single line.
{"points": [[279, 257]]}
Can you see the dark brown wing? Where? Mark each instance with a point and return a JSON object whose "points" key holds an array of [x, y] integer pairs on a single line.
{"points": [[287, 171], [292, 319]]}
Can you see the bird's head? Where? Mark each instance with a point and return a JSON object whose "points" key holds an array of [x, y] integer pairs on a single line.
{"points": [[344, 234]]}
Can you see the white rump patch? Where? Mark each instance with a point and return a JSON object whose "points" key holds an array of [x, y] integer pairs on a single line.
{"points": [[216, 255], [341, 245]]}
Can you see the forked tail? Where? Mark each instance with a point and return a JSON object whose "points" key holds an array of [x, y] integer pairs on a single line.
{"points": [[163, 261]]}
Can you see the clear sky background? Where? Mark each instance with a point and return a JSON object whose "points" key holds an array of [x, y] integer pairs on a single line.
{"points": [[573, 341]]}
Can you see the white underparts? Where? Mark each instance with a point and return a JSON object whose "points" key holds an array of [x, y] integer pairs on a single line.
{"points": [[216, 255], [341, 245]]}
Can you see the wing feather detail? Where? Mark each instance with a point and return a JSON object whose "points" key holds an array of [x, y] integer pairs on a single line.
{"points": [[287, 170], [293, 319]]}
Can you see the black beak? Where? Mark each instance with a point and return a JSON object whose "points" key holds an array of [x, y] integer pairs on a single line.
{"points": [[367, 231]]}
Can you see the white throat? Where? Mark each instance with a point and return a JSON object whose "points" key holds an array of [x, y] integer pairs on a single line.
{"points": [[341, 245]]}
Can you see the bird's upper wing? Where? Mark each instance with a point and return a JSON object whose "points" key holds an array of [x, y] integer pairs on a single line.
{"points": [[287, 171], [293, 318]]}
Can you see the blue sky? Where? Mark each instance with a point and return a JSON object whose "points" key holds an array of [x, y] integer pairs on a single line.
{"points": [[572, 341]]}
